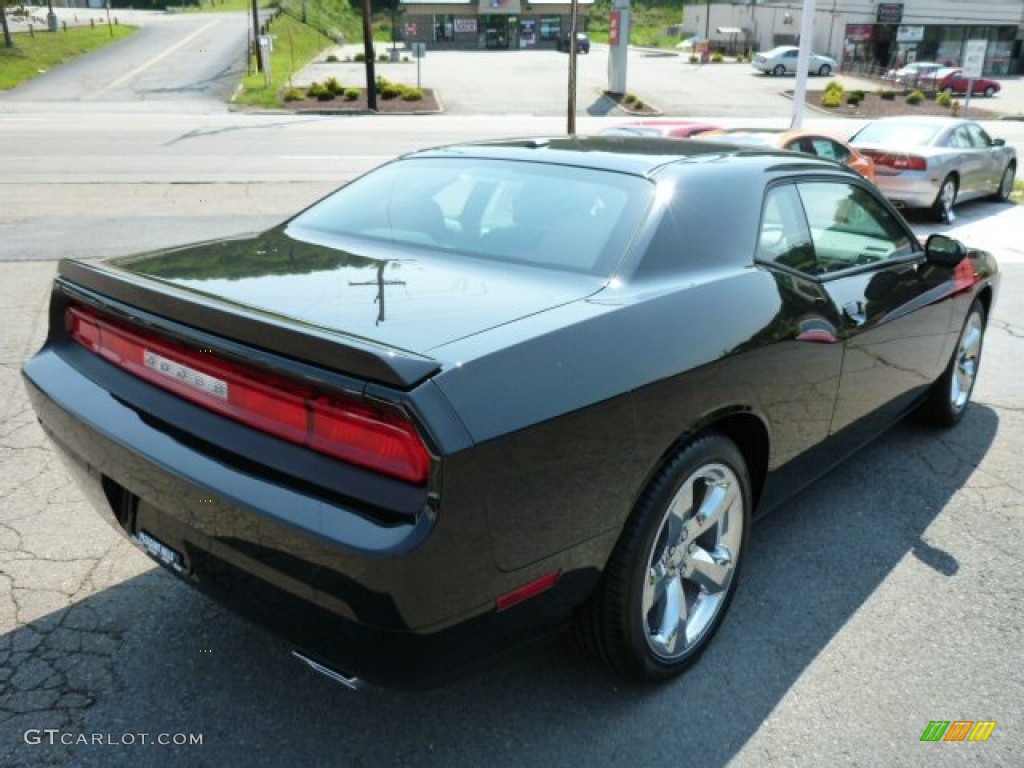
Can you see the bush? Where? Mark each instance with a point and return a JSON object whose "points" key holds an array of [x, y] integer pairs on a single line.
{"points": [[331, 58], [294, 94], [831, 99], [332, 85], [694, 58], [384, 57], [887, 95], [638, 104], [944, 99], [351, 94], [916, 97], [314, 90], [834, 86], [859, 94], [412, 94], [325, 95], [853, 99], [717, 58], [387, 89], [359, 57], [629, 99]]}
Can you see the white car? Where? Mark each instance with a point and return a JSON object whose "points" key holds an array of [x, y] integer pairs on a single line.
{"points": [[782, 61], [914, 74]]}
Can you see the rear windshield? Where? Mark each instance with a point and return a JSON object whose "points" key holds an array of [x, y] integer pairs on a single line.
{"points": [[913, 134], [558, 217]]}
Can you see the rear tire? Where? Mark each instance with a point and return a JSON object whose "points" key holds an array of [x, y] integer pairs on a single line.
{"points": [[825, 70], [990, 92], [950, 395], [673, 573], [1005, 184], [779, 70], [942, 208]]}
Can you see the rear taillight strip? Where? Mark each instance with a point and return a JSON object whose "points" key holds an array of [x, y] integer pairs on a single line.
{"points": [[898, 160], [360, 432]]}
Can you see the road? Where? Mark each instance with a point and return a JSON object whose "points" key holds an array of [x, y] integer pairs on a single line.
{"points": [[885, 596]]}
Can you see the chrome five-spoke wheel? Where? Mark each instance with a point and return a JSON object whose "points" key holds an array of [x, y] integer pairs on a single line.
{"points": [[693, 561], [951, 393], [965, 362]]}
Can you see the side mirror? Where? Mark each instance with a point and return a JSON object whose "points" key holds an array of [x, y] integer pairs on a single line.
{"points": [[944, 251], [998, 142]]}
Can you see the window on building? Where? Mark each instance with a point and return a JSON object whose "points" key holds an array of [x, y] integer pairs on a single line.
{"points": [[444, 27], [550, 28]]}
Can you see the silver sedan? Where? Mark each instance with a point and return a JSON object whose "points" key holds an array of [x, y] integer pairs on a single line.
{"points": [[936, 162], [782, 61]]}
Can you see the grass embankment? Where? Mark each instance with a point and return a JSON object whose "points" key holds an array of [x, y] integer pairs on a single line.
{"points": [[1018, 193], [31, 56], [295, 45], [650, 23]]}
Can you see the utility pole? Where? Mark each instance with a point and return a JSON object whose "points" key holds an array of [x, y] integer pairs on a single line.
{"points": [[371, 78], [255, 34], [571, 117]]}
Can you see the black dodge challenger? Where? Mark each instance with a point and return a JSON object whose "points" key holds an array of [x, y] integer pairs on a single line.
{"points": [[489, 390]]}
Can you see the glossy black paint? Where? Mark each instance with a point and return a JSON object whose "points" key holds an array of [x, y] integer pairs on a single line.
{"points": [[546, 406]]}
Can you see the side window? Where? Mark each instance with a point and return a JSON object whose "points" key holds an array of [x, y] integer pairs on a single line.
{"points": [[783, 237], [979, 139], [829, 149], [850, 227], [960, 139]]}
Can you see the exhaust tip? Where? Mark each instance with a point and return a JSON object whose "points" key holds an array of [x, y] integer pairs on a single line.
{"points": [[351, 682]]}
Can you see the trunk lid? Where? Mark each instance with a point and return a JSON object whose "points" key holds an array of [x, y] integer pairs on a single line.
{"points": [[371, 311]]}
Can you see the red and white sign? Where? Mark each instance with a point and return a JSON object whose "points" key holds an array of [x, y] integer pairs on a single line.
{"points": [[614, 22]]}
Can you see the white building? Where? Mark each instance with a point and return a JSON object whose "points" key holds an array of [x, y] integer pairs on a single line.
{"points": [[866, 33]]}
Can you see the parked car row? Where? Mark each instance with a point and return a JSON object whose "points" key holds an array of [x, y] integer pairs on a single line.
{"points": [[932, 76], [930, 163]]}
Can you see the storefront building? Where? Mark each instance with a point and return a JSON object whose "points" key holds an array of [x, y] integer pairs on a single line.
{"points": [[489, 24], [867, 36]]}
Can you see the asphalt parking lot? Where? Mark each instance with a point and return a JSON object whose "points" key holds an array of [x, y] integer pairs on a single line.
{"points": [[468, 82]]}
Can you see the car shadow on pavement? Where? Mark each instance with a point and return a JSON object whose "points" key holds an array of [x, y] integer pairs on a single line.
{"points": [[151, 656]]}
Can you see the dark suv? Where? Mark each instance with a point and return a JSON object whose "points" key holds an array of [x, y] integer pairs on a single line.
{"points": [[582, 43]]}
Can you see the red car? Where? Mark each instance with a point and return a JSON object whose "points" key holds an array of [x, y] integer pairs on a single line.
{"points": [[952, 80], [672, 129]]}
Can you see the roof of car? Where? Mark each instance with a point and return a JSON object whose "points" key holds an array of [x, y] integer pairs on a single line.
{"points": [[923, 119], [638, 155]]}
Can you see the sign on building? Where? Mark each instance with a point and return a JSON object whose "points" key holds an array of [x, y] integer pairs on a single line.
{"points": [[890, 13], [909, 34]]}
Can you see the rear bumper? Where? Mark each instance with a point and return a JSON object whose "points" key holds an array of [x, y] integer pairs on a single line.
{"points": [[909, 190], [402, 602]]}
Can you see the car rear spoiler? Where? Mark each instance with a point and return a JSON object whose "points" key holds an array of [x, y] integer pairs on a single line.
{"points": [[339, 352]]}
